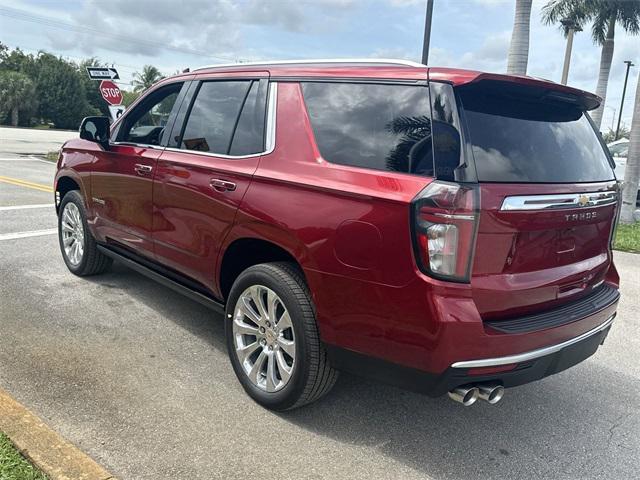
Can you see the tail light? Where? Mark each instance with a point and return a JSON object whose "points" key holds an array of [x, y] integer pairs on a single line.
{"points": [[444, 222]]}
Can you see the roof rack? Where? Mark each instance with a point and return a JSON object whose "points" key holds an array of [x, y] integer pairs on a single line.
{"points": [[381, 61]]}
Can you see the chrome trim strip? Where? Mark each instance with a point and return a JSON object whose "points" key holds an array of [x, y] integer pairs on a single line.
{"points": [[270, 131], [140, 145], [267, 63], [565, 200], [541, 352], [455, 216]]}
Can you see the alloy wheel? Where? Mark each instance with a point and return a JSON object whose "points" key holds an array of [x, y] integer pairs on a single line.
{"points": [[264, 339], [72, 233]]}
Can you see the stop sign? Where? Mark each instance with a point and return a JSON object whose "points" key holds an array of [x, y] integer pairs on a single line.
{"points": [[110, 92]]}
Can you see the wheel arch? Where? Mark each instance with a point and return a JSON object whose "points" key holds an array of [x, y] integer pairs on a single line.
{"points": [[244, 252], [66, 182]]}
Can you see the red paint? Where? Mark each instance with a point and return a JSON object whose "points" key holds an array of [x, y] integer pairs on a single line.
{"points": [[349, 229]]}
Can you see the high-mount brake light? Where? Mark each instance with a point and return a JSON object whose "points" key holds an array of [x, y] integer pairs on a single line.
{"points": [[444, 222]]}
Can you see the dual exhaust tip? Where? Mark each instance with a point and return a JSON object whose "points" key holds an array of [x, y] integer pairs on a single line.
{"points": [[468, 395]]}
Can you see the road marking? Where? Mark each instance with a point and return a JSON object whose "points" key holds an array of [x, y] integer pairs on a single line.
{"points": [[23, 183], [32, 233], [24, 207]]}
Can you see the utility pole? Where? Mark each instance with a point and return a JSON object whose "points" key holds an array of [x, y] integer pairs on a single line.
{"points": [[570, 27], [427, 33], [624, 91]]}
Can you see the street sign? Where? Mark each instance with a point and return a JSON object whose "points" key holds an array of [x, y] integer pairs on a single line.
{"points": [[102, 73], [116, 111], [110, 92]]}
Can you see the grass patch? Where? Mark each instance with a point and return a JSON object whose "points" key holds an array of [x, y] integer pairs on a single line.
{"points": [[52, 156], [13, 466], [628, 238]]}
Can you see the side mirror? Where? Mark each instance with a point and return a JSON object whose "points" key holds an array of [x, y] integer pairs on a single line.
{"points": [[96, 129]]}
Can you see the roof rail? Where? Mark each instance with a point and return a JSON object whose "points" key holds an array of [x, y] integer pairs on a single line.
{"points": [[381, 61]]}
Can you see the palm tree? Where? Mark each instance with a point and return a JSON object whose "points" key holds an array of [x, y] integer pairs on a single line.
{"points": [[519, 48], [605, 14], [632, 170], [149, 76], [17, 93]]}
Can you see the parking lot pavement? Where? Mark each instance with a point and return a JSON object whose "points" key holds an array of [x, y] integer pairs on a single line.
{"points": [[138, 377], [33, 141]]}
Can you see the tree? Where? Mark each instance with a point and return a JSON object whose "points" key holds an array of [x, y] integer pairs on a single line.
{"points": [[632, 170], [61, 92], [17, 94], [519, 48], [604, 14], [129, 97], [149, 76]]}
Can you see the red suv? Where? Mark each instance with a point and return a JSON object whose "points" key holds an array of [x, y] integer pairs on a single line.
{"points": [[443, 230]]}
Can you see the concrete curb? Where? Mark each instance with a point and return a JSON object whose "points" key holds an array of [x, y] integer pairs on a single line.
{"points": [[56, 457]]}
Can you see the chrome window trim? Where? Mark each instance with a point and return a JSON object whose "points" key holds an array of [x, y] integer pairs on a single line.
{"points": [[532, 355], [559, 201], [270, 132], [140, 145], [369, 61]]}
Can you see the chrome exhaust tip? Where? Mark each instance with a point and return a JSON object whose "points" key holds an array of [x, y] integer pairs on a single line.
{"points": [[467, 396], [491, 392]]}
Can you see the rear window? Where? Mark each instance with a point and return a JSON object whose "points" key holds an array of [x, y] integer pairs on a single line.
{"points": [[383, 127], [516, 140]]}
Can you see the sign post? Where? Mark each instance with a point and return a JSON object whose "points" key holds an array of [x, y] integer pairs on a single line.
{"points": [[109, 90]]}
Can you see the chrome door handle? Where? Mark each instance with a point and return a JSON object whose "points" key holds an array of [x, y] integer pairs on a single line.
{"points": [[142, 169], [222, 185]]}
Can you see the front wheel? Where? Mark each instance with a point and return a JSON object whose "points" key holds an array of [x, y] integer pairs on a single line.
{"points": [[273, 340], [79, 249]]}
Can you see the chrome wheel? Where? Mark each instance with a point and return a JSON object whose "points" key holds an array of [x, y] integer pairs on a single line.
{"points": [[263, 338], [72, 233]]}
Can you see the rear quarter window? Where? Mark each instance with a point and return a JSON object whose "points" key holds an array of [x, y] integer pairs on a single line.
{"points": [[376, 126]]}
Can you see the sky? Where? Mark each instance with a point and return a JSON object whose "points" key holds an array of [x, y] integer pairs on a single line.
{"points": [[174, 35]]}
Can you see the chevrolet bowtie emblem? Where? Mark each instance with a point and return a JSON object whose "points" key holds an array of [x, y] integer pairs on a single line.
{"points": [[583, 200]]}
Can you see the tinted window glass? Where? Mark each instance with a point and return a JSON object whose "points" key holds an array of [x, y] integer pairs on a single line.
{"points": [[249, 135], [145, 124], [533, 141], [385, 127], [214, 115]]}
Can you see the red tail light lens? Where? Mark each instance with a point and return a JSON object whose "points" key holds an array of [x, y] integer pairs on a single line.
{"points": [[444, 224]]}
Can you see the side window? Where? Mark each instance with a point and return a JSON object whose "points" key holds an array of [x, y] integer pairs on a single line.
{"points": [[227, 117], [248, 138], [383, 127], [145, 124], [447, 142]]}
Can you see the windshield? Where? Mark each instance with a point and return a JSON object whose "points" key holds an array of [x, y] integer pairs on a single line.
{"points": [[528, 141]]}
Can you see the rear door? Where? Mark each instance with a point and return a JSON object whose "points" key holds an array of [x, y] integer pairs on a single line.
{"points": [[548, 199], [203, 175]]}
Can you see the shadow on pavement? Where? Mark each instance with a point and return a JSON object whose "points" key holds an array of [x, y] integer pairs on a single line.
{"points": [[584, 422]]}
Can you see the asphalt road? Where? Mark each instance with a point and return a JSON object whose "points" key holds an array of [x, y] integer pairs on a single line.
{"points": [[138, 377]]}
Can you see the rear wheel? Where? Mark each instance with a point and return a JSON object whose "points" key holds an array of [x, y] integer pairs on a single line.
{"points": [[79, 249], [273, 340]]}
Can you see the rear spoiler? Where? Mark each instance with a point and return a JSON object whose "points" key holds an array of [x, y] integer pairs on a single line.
{"points": [[551, 90]]}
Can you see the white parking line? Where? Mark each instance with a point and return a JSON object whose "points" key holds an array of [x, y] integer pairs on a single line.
{"points": [[32, 233], [24, 207]]}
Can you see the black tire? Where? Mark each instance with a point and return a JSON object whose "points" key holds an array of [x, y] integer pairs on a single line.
{"points": [[313, 376], [93, 261]]}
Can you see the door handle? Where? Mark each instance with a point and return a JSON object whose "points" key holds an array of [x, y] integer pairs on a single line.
{"points": [[222, 185], [142, 169]]}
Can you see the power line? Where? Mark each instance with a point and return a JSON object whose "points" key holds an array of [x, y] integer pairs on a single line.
{"points": [[47, 21]]}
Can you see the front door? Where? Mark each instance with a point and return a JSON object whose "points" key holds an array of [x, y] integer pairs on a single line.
{"points": [[201, 180], [122, 177]]}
